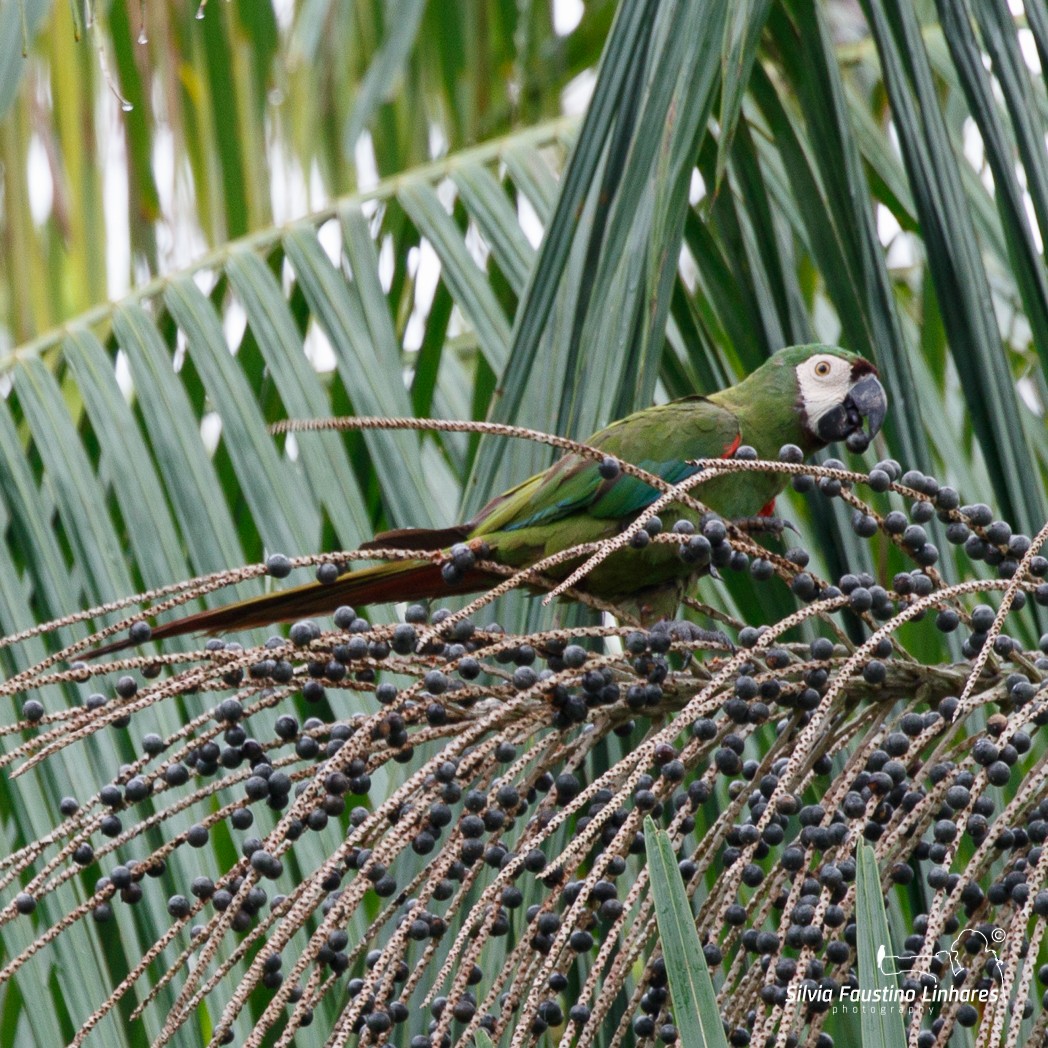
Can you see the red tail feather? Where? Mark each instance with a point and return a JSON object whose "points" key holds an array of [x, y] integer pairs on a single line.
{"points": [[384, 583], [418, 538]]}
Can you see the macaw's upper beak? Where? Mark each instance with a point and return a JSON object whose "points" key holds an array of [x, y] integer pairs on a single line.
{"points": [[865, 400]]}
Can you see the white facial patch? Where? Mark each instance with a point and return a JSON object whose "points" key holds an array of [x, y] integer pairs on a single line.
{"points": [[824, 382]]}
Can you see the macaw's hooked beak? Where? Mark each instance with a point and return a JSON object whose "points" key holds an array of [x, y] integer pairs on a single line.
{"points": [[865, 400]]}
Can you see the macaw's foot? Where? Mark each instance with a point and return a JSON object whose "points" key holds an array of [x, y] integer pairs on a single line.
{"points": [[683, 631], [764, 525]]}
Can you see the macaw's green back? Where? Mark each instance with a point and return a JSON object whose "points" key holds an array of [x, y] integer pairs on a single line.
{"points": [[804, 395], [572, 503]]}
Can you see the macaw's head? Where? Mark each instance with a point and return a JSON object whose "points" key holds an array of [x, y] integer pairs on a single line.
{"points": [[838, 394]]}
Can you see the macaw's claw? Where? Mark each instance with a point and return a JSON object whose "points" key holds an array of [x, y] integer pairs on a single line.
{"points": [[686, 632], [764, 525]]}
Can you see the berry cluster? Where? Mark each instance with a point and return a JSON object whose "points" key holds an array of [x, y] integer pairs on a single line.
{"points": [[412, 831]]}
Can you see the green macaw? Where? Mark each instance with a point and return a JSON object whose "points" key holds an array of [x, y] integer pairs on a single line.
{"points": [[808, 396]]}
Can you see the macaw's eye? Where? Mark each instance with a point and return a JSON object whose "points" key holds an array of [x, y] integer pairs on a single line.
{"points": [[822, 368]]}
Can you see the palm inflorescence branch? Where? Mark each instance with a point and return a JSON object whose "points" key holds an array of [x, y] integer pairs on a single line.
{"points": [[449, 840]]}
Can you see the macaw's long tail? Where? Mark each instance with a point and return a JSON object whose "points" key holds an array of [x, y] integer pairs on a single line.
{"points": [[394, 581]]}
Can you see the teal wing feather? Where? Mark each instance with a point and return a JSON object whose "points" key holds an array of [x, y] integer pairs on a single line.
{"points": [[660, 440]]}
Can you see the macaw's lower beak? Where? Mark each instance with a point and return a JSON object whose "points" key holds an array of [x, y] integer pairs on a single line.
{"points": [[865, 401]]}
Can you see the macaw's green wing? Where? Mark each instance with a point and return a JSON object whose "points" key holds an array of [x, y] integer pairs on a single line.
{"points": [[660, 440]]}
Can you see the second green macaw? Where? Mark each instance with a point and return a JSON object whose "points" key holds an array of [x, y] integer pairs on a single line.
{"points": [[809, 396]]}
